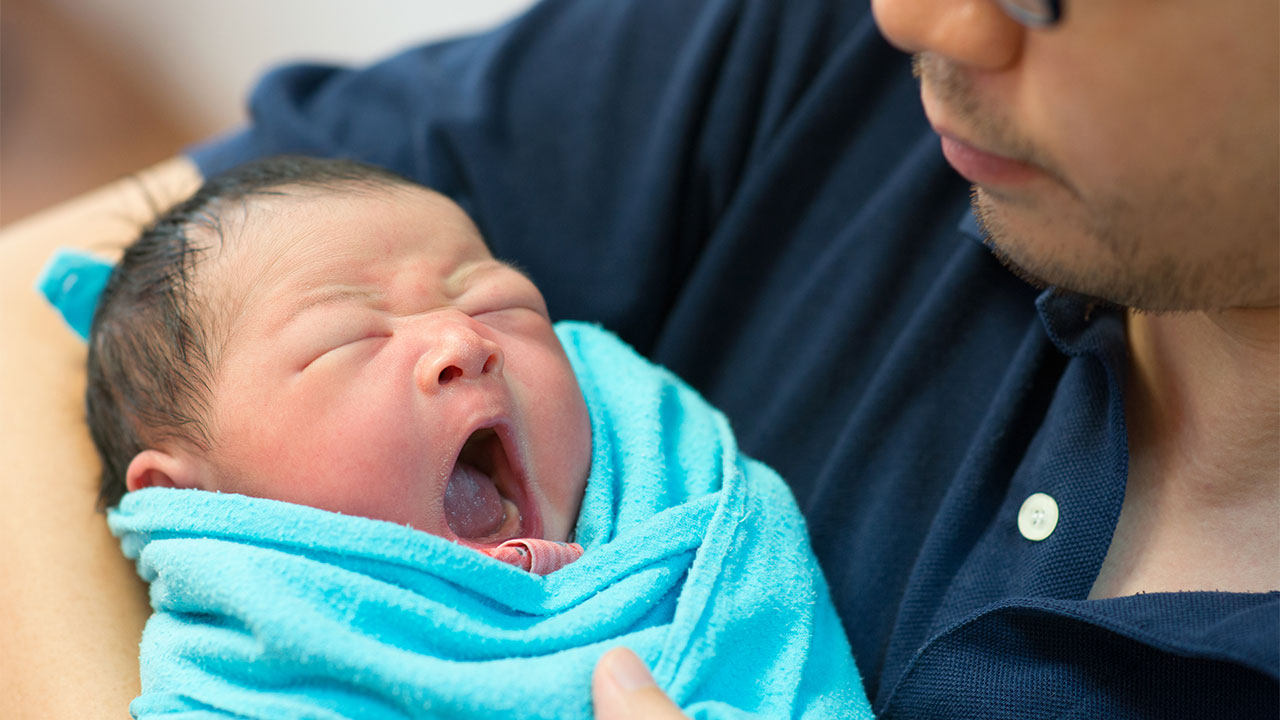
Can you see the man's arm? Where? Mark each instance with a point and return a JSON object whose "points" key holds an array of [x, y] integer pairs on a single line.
{"points": [[72, 605]]}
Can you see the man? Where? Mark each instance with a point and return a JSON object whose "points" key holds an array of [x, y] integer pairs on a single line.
{"points": [[1112, 157], [1009, 490]]}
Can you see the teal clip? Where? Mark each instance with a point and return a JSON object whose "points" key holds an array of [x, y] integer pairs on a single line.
{"points": [[72, 281]]}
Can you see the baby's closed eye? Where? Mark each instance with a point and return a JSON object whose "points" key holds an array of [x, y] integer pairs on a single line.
{"points": [[346, 347], [502, 289], [342, 333]]}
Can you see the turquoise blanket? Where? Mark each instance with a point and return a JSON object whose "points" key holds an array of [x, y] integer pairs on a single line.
{"points": [[696, 558]]}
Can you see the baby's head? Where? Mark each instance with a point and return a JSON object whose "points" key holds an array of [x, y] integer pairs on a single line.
{"points": [[330, 334]]}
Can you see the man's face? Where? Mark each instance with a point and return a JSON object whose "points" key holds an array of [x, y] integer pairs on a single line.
{"points": [[1129, 153], [380, 362]]}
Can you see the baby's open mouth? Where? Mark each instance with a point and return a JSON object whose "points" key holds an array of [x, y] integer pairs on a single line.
{"points": [[481, 498]]}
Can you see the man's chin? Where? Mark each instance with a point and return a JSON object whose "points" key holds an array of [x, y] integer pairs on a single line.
{"points": [[1005, 245], [1161, 284]]}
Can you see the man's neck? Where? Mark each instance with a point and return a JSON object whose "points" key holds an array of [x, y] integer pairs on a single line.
{"points": [[1202, 505]]}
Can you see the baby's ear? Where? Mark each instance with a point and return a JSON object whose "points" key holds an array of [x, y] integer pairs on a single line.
{"points": [[156, 468]]}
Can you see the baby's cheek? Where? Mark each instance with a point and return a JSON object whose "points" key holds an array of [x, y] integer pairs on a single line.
{"points": [[564, 442], [575, 452], [557, 423]]}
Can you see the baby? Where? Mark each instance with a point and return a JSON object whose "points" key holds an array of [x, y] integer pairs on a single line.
{"points": [[349, 344], [336, 337]]}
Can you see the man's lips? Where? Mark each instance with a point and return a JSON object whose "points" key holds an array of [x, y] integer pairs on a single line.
{"points": [[983, 167], [978, 162]]}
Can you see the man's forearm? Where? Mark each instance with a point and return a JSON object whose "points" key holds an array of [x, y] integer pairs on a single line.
{"points": [[72, 604]]}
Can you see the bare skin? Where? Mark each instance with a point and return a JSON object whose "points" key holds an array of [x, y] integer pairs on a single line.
{"points": [[73, 605], [1203, 498]]}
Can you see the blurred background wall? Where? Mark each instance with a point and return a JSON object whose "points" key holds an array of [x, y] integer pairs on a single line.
{"points": [[91, 90]]}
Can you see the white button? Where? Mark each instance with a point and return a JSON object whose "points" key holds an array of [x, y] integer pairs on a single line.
{"points": [[1038, 517]]}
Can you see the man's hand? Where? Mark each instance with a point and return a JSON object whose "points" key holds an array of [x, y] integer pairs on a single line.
{"points": [[623, 689]]}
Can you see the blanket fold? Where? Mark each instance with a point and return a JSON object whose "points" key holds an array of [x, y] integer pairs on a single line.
{"points": [[695, 557]]}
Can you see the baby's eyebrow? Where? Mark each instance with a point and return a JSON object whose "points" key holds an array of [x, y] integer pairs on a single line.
{"points": [[327, 296], [489, 265], [510, 265], [500, 264]]}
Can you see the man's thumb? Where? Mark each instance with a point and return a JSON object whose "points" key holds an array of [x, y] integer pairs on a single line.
{"points": [[623, 689]]}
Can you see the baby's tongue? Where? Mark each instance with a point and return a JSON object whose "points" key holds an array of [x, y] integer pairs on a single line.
{"points": [[472, 506]]}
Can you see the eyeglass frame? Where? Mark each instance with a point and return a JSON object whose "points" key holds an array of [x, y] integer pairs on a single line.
{"points": [[1051, 16]]}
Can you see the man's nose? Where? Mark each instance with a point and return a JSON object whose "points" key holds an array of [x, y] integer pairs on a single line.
{"points": [[974, 33], [455, 353]]}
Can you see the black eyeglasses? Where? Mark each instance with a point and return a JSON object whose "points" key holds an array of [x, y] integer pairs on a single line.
{"points": [[1034, 13]]}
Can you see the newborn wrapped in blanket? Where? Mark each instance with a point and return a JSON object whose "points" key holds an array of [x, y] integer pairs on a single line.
{"points": [[696, 558]]}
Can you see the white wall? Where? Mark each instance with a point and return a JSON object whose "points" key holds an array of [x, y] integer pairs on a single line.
{"points": [[201, 57]]}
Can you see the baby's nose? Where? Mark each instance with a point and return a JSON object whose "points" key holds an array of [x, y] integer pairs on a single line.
{"points": [[455, 352]]}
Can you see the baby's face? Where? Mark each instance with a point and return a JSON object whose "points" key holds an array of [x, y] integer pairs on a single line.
{"points": [[381, 363]]}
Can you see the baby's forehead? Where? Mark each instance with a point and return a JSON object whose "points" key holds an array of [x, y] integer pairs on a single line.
{"points": [[306, 235], [260, 228], [275, 214]]}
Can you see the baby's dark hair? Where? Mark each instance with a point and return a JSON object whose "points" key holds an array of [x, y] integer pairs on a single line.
{"points": [[153, 352]]}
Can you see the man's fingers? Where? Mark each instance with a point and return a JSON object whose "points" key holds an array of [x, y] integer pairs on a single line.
{"points": [[623, 689]]}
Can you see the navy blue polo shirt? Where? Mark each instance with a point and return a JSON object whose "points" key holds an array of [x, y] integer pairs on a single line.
{"points": [[747, 192]]}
